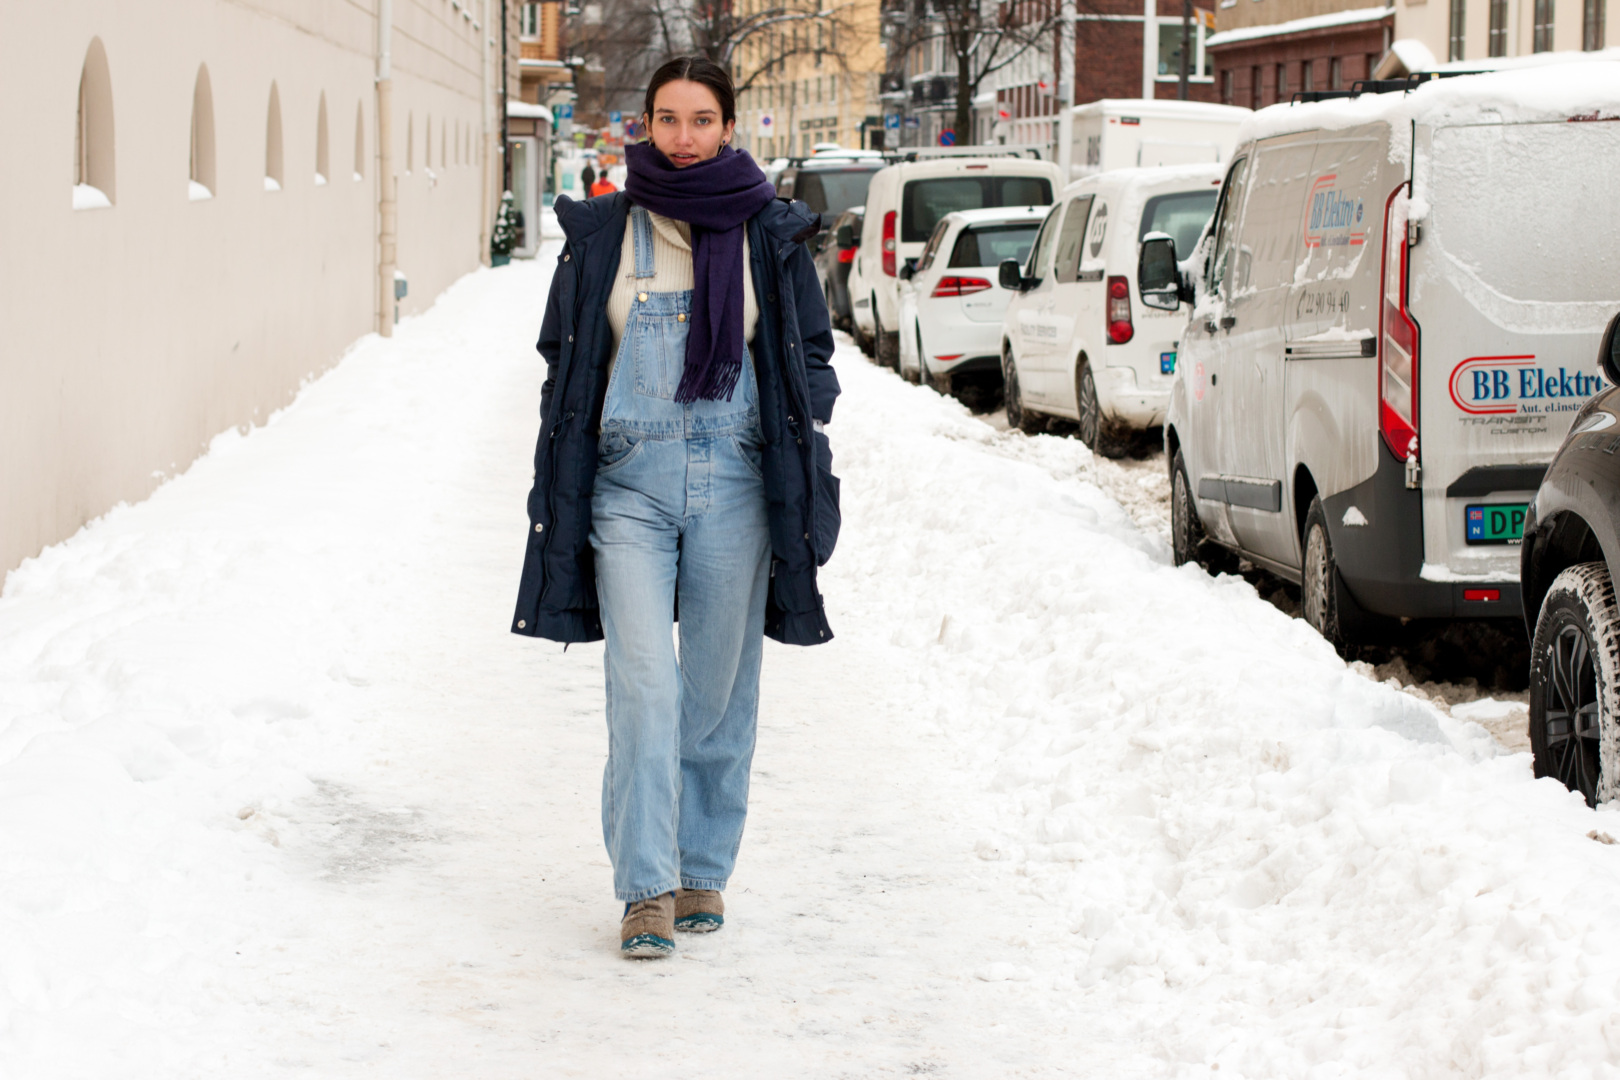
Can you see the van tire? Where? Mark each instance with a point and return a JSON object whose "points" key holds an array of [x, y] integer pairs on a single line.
{"points": [[1323, 600], [1095, 432], [888, 344], [1575, 667], [1017, 416], [1188, 543], [914, 375]]}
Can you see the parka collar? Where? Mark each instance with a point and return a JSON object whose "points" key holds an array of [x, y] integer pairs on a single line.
{"points": [[783, 220]]}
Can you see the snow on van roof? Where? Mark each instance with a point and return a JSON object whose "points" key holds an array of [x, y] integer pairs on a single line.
{"points": [[1150, 175], [1548, 86], [1162, 109], [1000, 213]]}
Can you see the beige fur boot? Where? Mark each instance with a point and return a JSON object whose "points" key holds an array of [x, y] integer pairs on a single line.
{"points": [[699, 911], [648, 929]]}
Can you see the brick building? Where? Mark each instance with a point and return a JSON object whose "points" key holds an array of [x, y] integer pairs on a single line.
{"points": [[1270, 49], [1112, 60]]}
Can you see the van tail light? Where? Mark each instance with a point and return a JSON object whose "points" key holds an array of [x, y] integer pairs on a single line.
{"points": [[1120, 329], [1397, 342], [960, 286], [889, 244], [847, 255]]}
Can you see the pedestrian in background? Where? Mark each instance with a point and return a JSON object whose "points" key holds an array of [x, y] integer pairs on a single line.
{"points": [[587, 177], [603, 185], [682, 471]]}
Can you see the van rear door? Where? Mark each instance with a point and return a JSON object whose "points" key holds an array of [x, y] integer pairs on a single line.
{"points": [[1513, 276]]}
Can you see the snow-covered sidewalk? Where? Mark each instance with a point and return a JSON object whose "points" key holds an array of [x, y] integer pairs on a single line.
{"points": [[279, 794]]}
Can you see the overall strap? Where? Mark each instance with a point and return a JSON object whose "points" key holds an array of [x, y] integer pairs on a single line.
{"points": [[641, 228]]}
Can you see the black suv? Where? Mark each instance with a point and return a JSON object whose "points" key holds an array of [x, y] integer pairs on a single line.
{"points": [[828, 184], [1567, 570], [833, 262]]}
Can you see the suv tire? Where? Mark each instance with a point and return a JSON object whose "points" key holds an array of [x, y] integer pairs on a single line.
{"points": [[1575, 683]]}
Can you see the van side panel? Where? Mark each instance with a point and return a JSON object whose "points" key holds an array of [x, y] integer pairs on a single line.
{"points": [[1514, 276]]}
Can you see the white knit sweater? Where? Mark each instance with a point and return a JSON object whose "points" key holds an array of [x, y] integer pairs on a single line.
{"points": [[672, 272]]}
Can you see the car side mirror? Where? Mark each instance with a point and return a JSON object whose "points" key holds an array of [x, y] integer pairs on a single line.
{"points": [[1609, 354], [1010, 275], [846, 237], [1158, 278], [908, 270], [818, 243]]}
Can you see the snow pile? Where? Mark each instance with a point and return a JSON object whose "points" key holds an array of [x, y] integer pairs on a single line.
{"points": [[278, 790], [1285, 869]]}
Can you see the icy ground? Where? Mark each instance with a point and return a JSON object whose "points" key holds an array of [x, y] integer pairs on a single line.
{"points": [[279, 794]]}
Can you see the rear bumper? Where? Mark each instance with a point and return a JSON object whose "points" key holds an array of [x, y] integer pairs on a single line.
{"points": [[1381, 561]]}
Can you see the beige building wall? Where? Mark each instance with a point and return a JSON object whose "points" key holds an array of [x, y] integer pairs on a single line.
{"points": [[811, 97], [1429, 21], [135, 333]]}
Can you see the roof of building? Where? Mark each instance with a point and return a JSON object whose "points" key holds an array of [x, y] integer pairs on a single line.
{"points": [[1330, 21]]}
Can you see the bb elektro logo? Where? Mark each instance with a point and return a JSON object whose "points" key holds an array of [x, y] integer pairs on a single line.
{"points": [[1517, 386]]}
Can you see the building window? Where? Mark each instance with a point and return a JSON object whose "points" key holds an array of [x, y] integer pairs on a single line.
{"points": [[93, 173], [1541, 35], [360, 141], [1592, 25], [1307, 76], [1282, 82], [1459, 16], [1254, 87], [274, 175], [323, 155], [410, 142], [1170, 46], [1335, 74], [1226, 86], [1498, 34], [529, 20], [202, 137]]}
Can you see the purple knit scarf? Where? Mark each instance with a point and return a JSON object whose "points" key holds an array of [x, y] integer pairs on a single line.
{"points": [[716, 197]]}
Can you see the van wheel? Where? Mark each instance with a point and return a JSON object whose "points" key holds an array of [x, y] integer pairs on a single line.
{"points": [[1575, 683], [1187, 540], [888, 347], [1093, 431], [1320, 591], [915, 375], [1017, 416]]}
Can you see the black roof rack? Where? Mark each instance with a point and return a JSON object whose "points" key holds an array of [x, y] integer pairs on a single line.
{"points": [[1376, 86]]}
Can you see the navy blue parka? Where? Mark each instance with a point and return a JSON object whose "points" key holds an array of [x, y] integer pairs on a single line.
{"points": [[791, 349]]}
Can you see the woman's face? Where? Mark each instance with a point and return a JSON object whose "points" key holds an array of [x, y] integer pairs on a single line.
{"points": [[686, 125]]}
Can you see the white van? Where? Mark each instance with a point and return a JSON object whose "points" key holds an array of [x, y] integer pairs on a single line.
{"points": [[904, 203], [1398, 310], [1078, 341], [1129, 133]]}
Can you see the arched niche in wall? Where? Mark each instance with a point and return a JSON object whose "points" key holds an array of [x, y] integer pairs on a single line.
{"points": [[360, 141], [202, 137], [94, 166], [274, 173], [444, 158], [410, 142], [427, 142], [323, 157]]}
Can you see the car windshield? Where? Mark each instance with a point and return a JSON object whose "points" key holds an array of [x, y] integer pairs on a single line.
{"points": [[1182, 216], [926, 201], [988, 245], [829, 192]]}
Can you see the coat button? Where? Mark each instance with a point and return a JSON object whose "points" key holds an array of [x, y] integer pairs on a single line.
{"points": [[570, 337], [681, 317], [522, 624], [567, 257], [642, 297], [771, 297], [539, 527], [821, 633], [790, 344], [807, 536]]}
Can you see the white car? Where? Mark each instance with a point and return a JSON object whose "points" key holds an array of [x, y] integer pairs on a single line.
{"points": [[1080, 340], [951, 303], [904, 203]]}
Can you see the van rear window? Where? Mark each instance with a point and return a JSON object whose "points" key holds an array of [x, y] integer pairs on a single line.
{"points": [[988, 245], [1182, 215], [926, 201], [829, 192]]}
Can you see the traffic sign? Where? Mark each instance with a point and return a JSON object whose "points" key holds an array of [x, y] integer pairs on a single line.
{"points": [[891, 122], [947, 137]]}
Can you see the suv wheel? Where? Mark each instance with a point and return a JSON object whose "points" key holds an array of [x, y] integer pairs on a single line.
{"points": [[1186, 531], [1093, 432], [1574, 682]]}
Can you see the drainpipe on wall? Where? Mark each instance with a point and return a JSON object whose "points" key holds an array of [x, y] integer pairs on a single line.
{"points": [[1150, 46], [506, 157], [387, 184], [484, 215]]}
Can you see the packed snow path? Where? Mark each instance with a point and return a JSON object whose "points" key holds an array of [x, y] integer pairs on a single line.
{"points": [[279, 794]]}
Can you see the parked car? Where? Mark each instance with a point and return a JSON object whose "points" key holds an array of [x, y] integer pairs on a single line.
{"points": [[904, 204], [1567, 571], [1130, 133], [833, 261], [1079, 340], [829, 183], [1396, 314], [951, 302]]}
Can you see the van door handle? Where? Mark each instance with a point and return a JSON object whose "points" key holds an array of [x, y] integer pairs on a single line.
{"points": [[1228, 321], [1209, 326]]}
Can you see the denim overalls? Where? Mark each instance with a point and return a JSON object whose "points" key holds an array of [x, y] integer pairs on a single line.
{"points": [[679, 507]]}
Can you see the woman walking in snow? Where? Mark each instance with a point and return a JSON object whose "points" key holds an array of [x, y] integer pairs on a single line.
{"points": [[681, 470]]}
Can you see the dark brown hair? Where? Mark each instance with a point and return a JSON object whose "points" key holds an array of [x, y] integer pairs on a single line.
{"points": [[701, 70]]}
